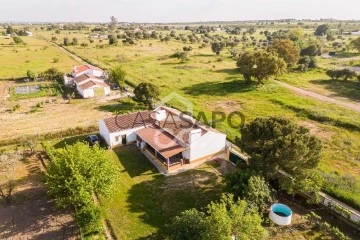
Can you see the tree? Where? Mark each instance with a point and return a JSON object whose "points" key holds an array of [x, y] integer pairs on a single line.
{"points": [[190, 224], [52, 74], [260, 65], [217, 47], [9, 30], [222, 220], [75, 41], [280, 149], [112, 39], [306, 63], [246, 184], [355, 44], [7, 175], [322, 30], [345, 73], [33, 75], [146, 93], [76, 172], [17, 40], [66, 41], [296, 34], [113, 23], [258, 192], [286, 49], [311, 50], [117, 75]]}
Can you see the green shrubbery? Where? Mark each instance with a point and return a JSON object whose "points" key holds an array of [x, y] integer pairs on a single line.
{"points": [[345, 73], [75, 174]]}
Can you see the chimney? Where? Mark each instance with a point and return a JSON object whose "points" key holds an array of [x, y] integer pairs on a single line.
{"points": [[160, 115], [194, 135]]}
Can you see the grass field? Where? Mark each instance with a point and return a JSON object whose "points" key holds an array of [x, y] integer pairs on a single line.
{"points": [[145, 200], [36, 55]]}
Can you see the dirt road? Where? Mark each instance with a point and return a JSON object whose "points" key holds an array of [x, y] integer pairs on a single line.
{"points": [[348, 105]]}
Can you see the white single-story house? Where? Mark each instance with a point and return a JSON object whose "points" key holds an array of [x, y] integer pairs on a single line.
{"points": [[87, 69], [173, 139], [90, 86]]}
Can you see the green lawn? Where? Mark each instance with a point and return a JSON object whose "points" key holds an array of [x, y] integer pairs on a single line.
{"points": [[47, 89], [145, 200]]}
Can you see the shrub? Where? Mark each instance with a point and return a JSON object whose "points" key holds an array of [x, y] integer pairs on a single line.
{"points": [[17, 40], [345, 73], [55, 60]]}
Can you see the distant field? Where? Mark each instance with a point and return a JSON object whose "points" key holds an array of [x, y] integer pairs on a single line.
{"points": [[36, 55]]}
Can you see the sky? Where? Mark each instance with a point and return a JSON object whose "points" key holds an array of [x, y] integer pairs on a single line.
{"points": [[175, 10]]}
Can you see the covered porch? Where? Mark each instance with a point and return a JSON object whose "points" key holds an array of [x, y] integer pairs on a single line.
{"points": [[161, 147]]}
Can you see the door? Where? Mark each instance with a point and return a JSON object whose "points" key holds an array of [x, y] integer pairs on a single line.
{"points": [[99, 91], [123, 139]]}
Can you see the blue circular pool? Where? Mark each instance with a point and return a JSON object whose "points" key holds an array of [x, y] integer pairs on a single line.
{"points": [[280, 214]]}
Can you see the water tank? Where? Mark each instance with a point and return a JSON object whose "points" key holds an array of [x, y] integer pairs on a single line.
{"points": [[280, 214]]}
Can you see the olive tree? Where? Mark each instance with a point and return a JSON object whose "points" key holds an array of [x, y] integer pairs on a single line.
{"points": [[117, 75], [146, 93], [286, 49], [260, 65]]}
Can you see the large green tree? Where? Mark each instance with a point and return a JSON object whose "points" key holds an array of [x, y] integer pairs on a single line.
{"points": [[146, 93], [117, 75], [260, 65], [286, 49], [280, 150], [76, 172], [217, 47], [322, 30]]}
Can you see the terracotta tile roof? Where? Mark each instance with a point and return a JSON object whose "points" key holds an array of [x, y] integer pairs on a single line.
{"points": [[81, 69], [163, 142], [127, 121], [85, 67], [87, 85], [81, 78]]}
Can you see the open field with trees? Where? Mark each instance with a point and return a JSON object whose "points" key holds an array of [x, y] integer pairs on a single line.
{"points": [[227, 68]]}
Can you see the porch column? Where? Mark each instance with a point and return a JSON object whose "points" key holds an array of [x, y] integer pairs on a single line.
{"points": [[168, 163]]}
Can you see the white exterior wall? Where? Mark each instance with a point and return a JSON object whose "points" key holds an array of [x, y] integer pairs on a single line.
{"points": [[97, 73], [107, 91], [104, 132], [208, 144], [130, 136], [87, 93]]}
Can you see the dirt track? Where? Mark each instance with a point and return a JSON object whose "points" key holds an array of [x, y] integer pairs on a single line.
{"points": [[349, 105]]}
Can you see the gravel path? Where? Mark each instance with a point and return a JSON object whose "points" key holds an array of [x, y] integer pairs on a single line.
{"points": [[349, 105]]}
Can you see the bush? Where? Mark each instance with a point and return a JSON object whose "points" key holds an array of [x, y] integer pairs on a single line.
{"points": [[89, 219], [345, 73], [55, 60], [306, 63], [17, 40]]}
